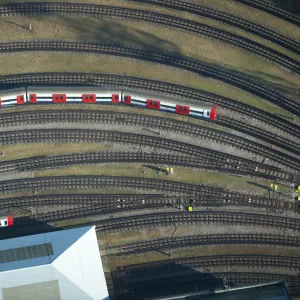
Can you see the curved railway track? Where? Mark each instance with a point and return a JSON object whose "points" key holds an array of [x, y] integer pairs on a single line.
{"points": [[79, 199], [272, 9], [121, 205], [94, 182], [155, 18], [199, 193], [120, 202], [231, 77], [157, 86], [187, 284], [203, 240], [197, 217], [141, 272], [145, 121], [232, 20], [237, 164], [207, 162]]}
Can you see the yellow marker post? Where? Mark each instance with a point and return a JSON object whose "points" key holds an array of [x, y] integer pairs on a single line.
{"points": [[190, 208]]}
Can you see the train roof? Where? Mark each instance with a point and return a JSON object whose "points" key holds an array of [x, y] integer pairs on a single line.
{"points": [[4, 93], [75, 89], [169, 98]]}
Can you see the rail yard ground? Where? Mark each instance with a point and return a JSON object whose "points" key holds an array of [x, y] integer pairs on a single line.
{"points": [[225, 200]]}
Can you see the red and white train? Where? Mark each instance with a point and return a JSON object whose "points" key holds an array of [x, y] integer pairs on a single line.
{"points": [[6, 220], [182, 106]]}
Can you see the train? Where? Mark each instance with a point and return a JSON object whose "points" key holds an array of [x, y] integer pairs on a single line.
{"points": [[6, 220], [101, 95]]}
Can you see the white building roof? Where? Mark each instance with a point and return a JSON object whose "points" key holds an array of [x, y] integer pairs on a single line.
{"points": [[59, 265]]}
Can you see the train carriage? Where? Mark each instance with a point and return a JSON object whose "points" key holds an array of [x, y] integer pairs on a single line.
{"points": [[183, 106], [6, 220], [12, 97], [73, 94]]}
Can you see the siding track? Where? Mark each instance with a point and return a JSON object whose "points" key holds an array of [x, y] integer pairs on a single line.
{"points": [[232, 20], [159, 87], [220, 162], [183, 285], [204, 240], [155, 18], [272, 9], [206, 157], [120, 202], [188, 64], [144, 121]]}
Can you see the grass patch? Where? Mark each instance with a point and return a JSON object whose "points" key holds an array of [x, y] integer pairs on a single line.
{"points": [[148, 37], [72, 222], [180, 174], [108, 190], [289, 29], [38, 149], [39, 62], [122, 237], [202, 251], [153, 233]]}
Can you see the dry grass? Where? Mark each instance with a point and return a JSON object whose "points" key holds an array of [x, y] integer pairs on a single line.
{"points": [[147, 36], [228, 6], [203, 251], [125, 237], [38, 149], [12, 64], [180, 174], [255, 15]]}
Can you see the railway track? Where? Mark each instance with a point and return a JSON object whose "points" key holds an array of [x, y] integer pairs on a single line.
{"points": [[189, 285], [213, 158], [143, 272], [94, 182], [219, 162], [113, 202], [201, 162], [83, 209], [79, 199], [197, 217], [157, 86], [272, 9], [200, 194], [230, 19], [144, 121], [152, 17], [236, 79], [203, 240]]}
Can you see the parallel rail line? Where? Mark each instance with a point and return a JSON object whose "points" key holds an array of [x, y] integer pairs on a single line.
{"points": [[138, 279], [186, 284], [219, 162], [85, 116], [203, 240], [157, 86], [77, 199], [273, 9], [197, 217], [156, 18], [140, 201], [233, 20], [275, 96], [226, 161], [140, 272], [94, 182]]}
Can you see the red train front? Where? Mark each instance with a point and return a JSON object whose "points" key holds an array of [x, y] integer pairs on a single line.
{"points": [[6, 220]]}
